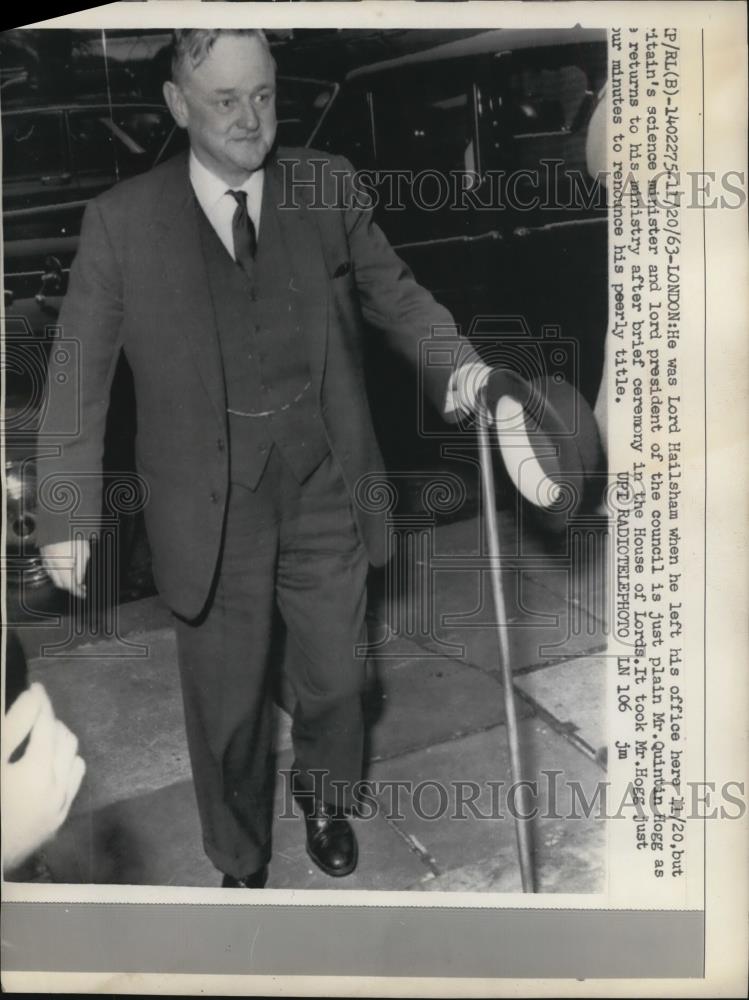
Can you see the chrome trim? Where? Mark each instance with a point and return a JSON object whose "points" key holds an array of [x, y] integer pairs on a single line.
{"points": [[529, 230], [485, 42], [491, 234], [494, 234], [41, 209]]}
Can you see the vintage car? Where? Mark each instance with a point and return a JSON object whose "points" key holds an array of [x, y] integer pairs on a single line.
{"points": [[472, 147]]}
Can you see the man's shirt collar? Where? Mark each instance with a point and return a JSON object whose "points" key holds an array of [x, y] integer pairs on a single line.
{"points": [[210, 189]]}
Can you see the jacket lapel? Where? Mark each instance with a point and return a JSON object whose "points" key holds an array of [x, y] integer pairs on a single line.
{"points": [[185, 278], [301, 242]]}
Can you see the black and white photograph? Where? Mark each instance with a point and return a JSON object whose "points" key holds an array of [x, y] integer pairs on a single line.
{"points": [[289, 422], [347, 461]]}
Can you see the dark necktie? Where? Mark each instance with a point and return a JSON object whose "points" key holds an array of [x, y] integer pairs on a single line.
{"points": [[243, 232]]}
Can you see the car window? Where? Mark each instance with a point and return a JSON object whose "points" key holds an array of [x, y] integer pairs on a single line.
{"points": [[427, 126], [33, 148], [544, 101], [108, 145], [423, 125], [346, 128], [535, 106], [299, 105], [139, 135], [92, 151], [538, 107]]}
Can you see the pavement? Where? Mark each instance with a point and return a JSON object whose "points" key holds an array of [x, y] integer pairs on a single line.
{"points": [[435, 705]]}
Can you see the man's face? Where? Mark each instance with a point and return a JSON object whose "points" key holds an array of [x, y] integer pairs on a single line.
{"points": [[228, 106]]}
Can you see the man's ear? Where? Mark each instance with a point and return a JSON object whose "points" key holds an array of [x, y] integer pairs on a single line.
{"points": [[176, 103]]}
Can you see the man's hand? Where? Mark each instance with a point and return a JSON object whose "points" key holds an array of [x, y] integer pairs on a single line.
{"points": [[66, 564], [476, 387], [464, 391], [41, 774]]}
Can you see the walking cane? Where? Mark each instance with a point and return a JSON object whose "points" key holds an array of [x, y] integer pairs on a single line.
{"points": [[490, 513]]}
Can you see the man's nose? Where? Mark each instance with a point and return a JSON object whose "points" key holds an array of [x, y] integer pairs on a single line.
{"points": [[248, 117]]}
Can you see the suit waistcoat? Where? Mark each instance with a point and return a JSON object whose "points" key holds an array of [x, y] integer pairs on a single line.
{"points": [[269, 391]]}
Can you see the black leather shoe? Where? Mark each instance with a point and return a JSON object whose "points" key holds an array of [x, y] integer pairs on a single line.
{"points": [[255, 880], [331, 842]]}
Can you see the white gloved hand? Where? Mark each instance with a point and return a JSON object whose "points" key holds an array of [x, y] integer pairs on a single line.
{"points": [[66, 564], [38, 789], [465, 387]]}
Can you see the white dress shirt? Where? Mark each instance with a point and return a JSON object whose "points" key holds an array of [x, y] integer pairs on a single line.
{"points": [[219, 206]]}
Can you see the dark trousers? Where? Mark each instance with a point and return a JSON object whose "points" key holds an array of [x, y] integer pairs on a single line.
{"points": [[292, 554]]}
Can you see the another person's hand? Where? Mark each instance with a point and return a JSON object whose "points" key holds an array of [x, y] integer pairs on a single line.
{"points": [[66, 564], [41, 774]]}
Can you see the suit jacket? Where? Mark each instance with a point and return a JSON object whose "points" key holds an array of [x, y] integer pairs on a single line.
{"points": [[139, 283]]}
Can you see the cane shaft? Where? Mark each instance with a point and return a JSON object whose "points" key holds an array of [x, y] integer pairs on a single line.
{"points": [[513, 735]]}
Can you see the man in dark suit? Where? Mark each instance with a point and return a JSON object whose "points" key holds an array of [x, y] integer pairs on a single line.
{"points": [[240, 291]]}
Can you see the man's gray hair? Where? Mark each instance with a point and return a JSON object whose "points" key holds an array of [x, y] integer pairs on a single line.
{"points": [[191, 45]]}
